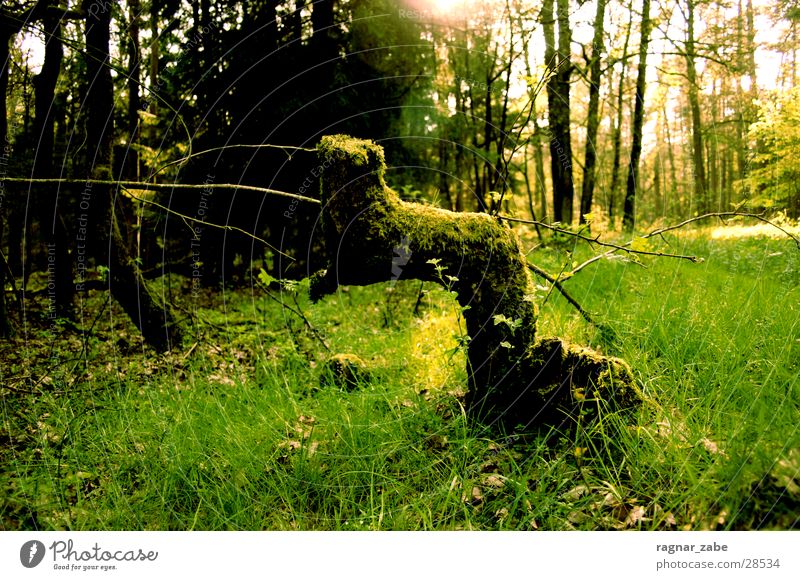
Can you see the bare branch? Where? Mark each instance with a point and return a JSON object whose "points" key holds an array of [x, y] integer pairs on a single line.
{"points": [[186, 219], [724, 214], [558, 286], [596, 240], [663, 230], [164, 186], [182, 160]]}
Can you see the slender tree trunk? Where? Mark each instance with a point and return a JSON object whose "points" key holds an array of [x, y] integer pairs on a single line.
{"points": [[536, 140], [6, 34], [9, 28], [593, 119], [322, 23], [54, 232], [658, 200], [673, 189], [629, 211], [134, 101], [148, 312], [698, 165], [541, 185], [713, 154], [617, 139], [154, 71], [558, 61]]}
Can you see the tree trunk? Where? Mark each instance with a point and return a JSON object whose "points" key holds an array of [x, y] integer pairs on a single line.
{"points": [[617, 139], [513, 377], [6, 34], [541, 186], [629, 211], [536, 139], [593, 120], [9, 28], [134, 101], [151, 315], [154, 71], [322, 23], [698, 165], [558, 61], [56, 237]]}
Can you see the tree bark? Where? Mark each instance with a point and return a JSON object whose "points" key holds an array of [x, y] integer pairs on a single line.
{"points": [[593, 120], [514, 378], [150, 313], [698, 164], [56, 237], [134, 101], [558, 61], [617, 139], [629, 210], [6, 34]]}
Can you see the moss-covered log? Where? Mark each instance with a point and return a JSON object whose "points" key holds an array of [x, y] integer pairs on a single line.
{"points": [[513, 378]]}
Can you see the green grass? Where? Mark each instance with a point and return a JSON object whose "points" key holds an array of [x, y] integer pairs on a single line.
{"points": [[240, 435]]}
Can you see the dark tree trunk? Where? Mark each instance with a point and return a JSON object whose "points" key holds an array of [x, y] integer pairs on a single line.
{"points": [[593, 119], [513, 377], [617, 140], [633, 186], [148, 312], [539, 160], [6, 34], [54, 232], [559, 64], [325, 33], [9, 28], [154, 70], [134, 101], [698, 165]]}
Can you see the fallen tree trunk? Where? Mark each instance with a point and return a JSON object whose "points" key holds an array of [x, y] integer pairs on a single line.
{"points": [[513, 377]]}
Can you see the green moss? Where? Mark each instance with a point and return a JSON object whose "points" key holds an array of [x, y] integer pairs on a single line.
{"points": [[345, 371], [512, 376]]}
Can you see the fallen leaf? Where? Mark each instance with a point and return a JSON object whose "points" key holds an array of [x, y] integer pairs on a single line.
{"points": [[495, 481], [577, 517], [635, 515], [575, 493]]}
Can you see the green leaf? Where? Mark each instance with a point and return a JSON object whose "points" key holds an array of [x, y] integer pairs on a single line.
{"points": [[265, 278]]}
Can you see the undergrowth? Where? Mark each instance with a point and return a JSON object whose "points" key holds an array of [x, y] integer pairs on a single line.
{"points": [[235, 430]]}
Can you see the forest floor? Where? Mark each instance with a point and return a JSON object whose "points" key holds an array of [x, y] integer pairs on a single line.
{"points": [[244, 427]]}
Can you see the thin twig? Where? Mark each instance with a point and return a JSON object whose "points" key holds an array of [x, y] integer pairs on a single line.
{"points": [[224, 147], [597, 241], [661, 231], [558, 286], [165, 186], [550, 291], [298, 312], [10, 278], [723, 214], [187, 219]]}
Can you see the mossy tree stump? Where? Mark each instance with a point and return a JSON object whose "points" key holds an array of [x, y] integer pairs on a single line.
{"points": [[513, 377]]}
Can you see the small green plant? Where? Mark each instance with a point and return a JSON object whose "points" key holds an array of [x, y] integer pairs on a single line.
{"points": [[461, 337]]}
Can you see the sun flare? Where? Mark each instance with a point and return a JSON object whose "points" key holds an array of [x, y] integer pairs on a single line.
{"points": [[440, 7]]}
